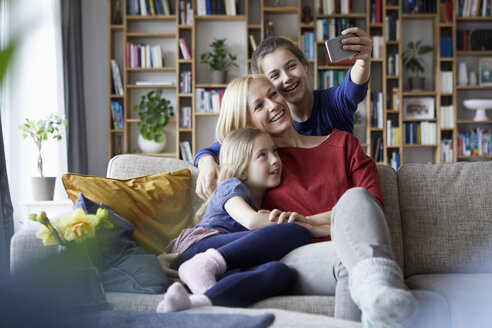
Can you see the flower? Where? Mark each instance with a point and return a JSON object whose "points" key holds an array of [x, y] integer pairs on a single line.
{"points": [[76, 227]]}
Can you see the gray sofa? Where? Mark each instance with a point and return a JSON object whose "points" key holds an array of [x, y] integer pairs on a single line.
{"points": [[440, 218]]}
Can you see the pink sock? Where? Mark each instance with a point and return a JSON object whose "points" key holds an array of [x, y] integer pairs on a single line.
{"points": [[178, 299], [199, 272]]}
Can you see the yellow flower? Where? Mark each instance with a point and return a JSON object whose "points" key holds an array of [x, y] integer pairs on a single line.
{"points": [[46, 236], [78, 226]]}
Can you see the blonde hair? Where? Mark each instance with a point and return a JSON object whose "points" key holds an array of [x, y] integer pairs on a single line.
{"points": [[235, 154], [234, 108]]}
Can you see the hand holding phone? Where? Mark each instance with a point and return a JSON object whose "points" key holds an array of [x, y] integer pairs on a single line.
{"points": [[335, 51]]}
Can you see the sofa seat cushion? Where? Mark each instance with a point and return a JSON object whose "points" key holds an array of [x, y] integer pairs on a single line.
{"points": [[158, 205], [469, 296]]}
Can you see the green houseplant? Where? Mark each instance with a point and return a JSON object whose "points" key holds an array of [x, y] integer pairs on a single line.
{"points": [[154, 113], [219, 60], [40, 131], [414, 63]]}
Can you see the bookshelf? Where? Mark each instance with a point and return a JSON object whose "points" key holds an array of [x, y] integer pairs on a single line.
{"points": [[391, 24]]}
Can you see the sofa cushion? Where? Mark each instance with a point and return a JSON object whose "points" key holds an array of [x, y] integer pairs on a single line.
{"points": [[158, 205], [446, 217], [468, 296], [392, 209], [128, 166], [124, 267]]}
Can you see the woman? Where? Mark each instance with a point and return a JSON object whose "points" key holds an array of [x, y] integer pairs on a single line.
{"points": [[315, 112], [327, 176]]}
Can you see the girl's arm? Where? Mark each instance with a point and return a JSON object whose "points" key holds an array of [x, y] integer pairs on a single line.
{"points": [[206, 160], [363, 44], [243, 213], [319, 224]]}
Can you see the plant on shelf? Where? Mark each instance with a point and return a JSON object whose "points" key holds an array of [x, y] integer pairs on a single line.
{"points": [[154, 113], [414, 63], [219, 60]]}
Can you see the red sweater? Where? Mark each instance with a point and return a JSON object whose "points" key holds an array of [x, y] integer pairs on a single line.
{"points": [[313, 179]]}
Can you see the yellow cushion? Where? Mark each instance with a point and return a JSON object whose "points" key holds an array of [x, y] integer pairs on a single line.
{"points": [[158, 205]]}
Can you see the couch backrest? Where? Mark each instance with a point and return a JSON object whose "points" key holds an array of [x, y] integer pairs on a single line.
{"points": [[446, 212], [392, 210], [130, 166]]}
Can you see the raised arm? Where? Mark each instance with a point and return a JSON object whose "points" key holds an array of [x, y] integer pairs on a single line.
{"points": [[206, 161], [363, 44]]}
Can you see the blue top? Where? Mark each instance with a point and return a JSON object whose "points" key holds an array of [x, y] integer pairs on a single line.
{"points": [[332, 108], [215, 216]]}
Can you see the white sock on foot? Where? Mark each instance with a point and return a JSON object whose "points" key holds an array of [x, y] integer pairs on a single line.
{"points": [[178, 299], [377, 287], [199, 272]]}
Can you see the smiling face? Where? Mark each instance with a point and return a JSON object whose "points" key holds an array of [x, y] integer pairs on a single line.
{"points": [[266, 108], [287, 73], [264, 166]]}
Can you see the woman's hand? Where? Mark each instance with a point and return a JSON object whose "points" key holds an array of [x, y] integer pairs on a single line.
{"points": [[278, 216], [363, 44], [205, 183], [166, 260]]}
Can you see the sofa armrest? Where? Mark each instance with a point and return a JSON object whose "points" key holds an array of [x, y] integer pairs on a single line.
{"points": [[26, 249]]}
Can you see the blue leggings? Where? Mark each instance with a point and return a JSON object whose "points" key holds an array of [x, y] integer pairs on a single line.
{"points": [[252, 258]]}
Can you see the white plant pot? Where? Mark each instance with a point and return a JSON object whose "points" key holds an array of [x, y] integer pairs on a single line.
{"points": [[150, 146], [43, 188]]}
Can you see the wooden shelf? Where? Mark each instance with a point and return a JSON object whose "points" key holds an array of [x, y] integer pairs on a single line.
{"points": [[220, 18], [150, 35], [280, 10], [150, 69], [151, 18]]}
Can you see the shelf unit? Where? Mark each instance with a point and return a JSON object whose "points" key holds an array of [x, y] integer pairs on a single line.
{"points": [[387, 74]]}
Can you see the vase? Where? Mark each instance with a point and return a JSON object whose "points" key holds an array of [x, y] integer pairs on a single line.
{"points": [[81, 281], [417, 83], [43, 188], [219, 77], [150, 146], [463, 74]]}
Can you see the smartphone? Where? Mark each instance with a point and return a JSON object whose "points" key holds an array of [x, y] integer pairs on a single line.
{"points": [[335, 51]]}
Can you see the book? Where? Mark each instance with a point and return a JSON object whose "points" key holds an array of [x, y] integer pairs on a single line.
{"points": [[186, 151], [252, 42], [115, 71], [184, 49]]}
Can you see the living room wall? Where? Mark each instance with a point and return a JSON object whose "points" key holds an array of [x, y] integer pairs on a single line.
{"points": [[95, 54]]}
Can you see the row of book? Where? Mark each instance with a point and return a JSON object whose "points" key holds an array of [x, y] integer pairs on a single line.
{"points": [[185, 12], [208, 101], [331, 78], [446, 81], [393, 64], [475, 143], [376, 110], [185, 52], [446, 47], [185, 117], [394, 160], [328, 28], [467, 8], [216, 7], [418, 6], [148, 7], [379, 150], [392, 27], [392, 134], [329, 7], [393, 103], [308, 44], [420, 133], [447, 117], [117, 116], [186, 151], [115, 73], [376, 12], [377, 46], [185, 82], [446, 12], [447, 155], [474, 40], [143, 55]]}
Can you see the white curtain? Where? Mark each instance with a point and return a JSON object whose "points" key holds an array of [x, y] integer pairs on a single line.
{"points": [[35, 89]]}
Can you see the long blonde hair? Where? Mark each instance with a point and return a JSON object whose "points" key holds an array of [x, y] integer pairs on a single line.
{"points": [[234, 156], [234, 107]]}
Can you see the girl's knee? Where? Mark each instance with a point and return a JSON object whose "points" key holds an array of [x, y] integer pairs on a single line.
{"points": [[297, 232], [279, 271]]}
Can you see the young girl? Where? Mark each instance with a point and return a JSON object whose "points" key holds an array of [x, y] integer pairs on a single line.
{"points": [[315, 112], [233, 242]]}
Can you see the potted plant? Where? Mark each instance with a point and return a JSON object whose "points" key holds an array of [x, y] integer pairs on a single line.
{"points": [[219, 60], [40, 131], [154, 113], [414, 63]]}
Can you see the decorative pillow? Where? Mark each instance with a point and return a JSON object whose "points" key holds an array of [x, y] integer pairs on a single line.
{"points": [[124, 267], [158, 205]]}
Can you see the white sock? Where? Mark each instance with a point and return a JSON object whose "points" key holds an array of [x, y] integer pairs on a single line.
{"points": [[178, 299], [199, 272], [377, 287]]}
